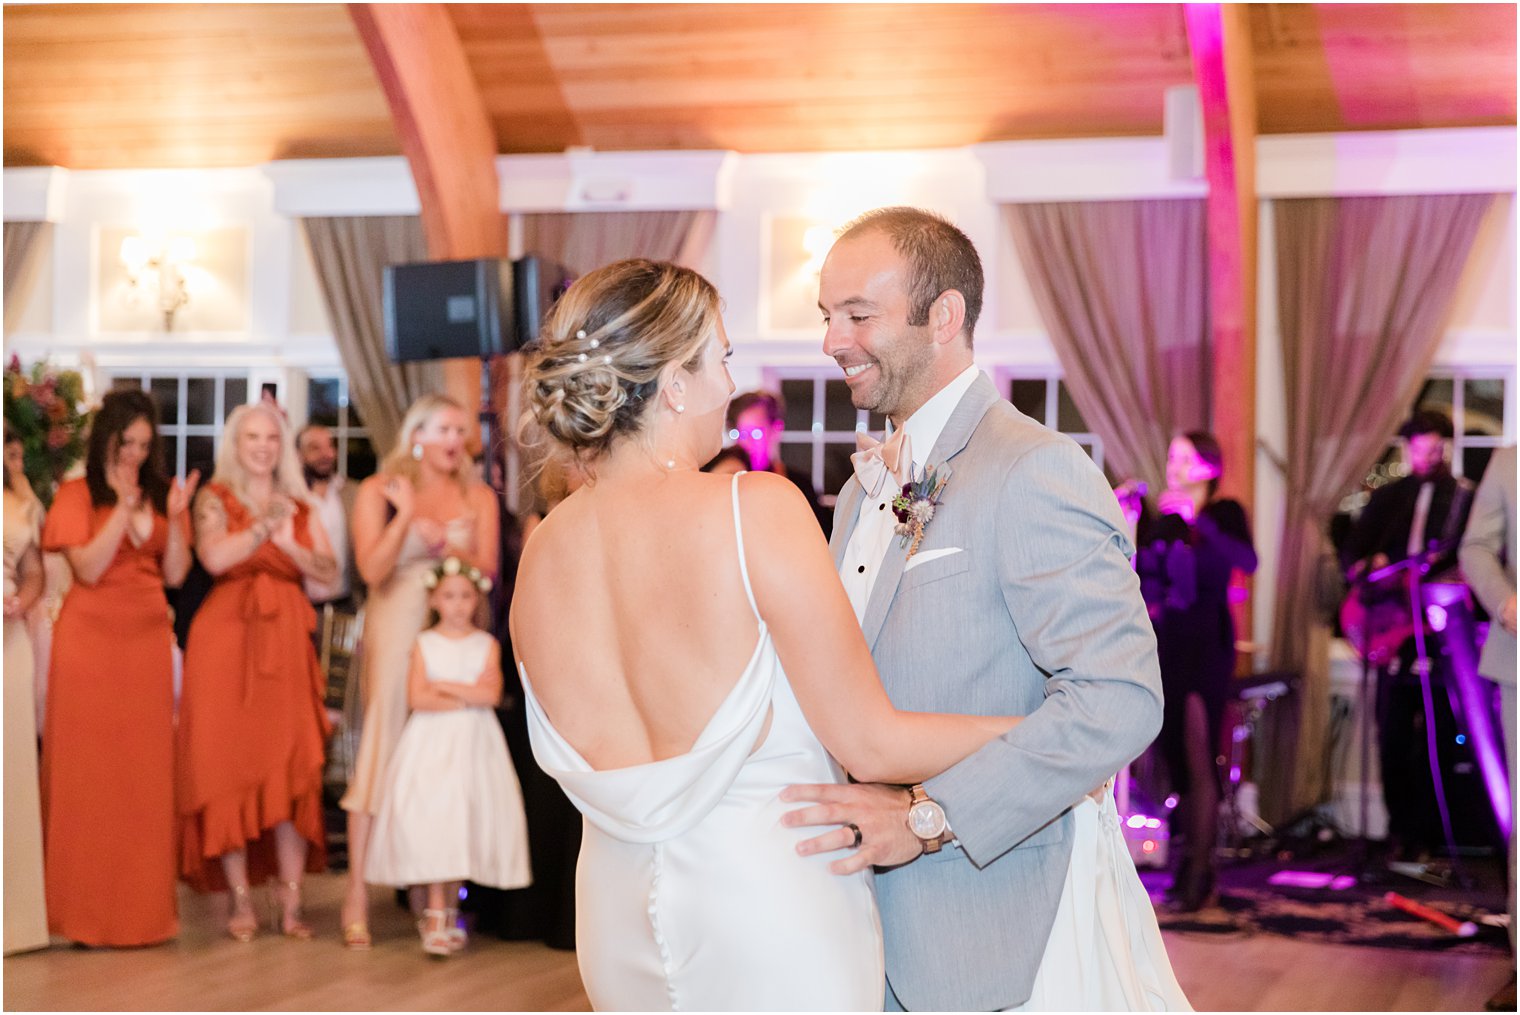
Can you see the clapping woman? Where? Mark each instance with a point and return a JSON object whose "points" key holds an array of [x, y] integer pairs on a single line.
{"points": [[108, 748], [252, 722]]}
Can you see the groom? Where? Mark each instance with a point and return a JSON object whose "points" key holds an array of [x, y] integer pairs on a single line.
{"points": [[1019, 600]]}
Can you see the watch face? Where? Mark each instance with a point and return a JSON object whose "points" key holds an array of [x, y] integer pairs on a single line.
{"points": [[927, 819]]}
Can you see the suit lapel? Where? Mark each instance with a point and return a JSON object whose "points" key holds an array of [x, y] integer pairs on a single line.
{"points": [[952, 441]]}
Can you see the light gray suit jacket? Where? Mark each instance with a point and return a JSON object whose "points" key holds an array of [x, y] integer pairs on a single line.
{"points": [[1039, 614], [1488, 559]]}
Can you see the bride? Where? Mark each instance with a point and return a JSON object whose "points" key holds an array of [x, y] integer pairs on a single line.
{"points": [[686, 651]]}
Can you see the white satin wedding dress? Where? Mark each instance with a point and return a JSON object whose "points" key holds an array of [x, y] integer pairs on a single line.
{"points": [[690, 893]]}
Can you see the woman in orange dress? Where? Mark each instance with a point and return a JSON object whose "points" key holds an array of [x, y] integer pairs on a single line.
{"points": [[252, 721], [108, 745]]}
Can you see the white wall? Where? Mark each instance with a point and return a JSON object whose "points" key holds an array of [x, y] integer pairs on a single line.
{"points": [[768, 291]]}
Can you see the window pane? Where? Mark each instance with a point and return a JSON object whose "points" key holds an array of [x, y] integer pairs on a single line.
{"points": [[354, 422], [171, 454], [1474, 461], [200, 454], [234, 393], [1436, 394], [836, 466], [322, 401], [1483, 406], [1028, 396], [200, 400], [876, 423], [838, 411], [361, 459], [1068, 419], [126, 384], [165, 391], [798, 395], [798, 459]]}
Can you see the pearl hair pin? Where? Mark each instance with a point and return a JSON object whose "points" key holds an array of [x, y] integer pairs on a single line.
{"points": [[581, 334]]}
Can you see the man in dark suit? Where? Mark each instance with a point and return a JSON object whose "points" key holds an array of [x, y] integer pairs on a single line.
{"points": [[1421, 514]]}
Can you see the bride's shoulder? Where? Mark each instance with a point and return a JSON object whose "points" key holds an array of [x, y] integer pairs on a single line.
{"points": [[772, 508]]}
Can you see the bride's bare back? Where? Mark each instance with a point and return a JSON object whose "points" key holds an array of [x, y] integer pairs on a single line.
{"points": [[630, 616]]}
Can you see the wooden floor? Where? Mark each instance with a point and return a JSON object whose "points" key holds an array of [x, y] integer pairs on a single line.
{"points": [[206, 970]]}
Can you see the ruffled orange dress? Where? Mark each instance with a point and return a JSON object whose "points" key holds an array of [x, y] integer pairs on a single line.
{"points": [[108, 741], [251, 721]]}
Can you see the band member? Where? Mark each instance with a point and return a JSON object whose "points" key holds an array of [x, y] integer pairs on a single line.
{"points": [[1422, 514]]}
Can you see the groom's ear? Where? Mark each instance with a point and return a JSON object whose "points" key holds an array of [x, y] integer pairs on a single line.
{"points": [[947, 315]]}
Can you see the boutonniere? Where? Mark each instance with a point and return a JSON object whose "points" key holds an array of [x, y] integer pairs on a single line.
{"points": [[914, 507]]}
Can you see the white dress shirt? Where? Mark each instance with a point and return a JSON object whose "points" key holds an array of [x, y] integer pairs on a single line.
{"points": [[330, 510], [874, 533]]}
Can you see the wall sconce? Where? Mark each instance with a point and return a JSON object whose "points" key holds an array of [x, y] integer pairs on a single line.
{"points": [[156, 267]]}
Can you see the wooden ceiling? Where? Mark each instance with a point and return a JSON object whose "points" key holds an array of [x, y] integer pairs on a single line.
{"points": [[119, 85]]}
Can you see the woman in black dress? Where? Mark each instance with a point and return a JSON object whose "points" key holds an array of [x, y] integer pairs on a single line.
{"points": [[1188, 546]]}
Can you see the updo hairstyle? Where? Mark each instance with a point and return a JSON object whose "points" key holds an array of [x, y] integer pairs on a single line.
{"points": [[597, 363]]}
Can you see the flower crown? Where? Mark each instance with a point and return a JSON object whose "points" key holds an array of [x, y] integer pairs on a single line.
{"points": [[450, 566]]}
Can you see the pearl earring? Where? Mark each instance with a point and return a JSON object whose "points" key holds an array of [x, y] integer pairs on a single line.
{"points": [[417, 452], [670, 463], [681, 407]]}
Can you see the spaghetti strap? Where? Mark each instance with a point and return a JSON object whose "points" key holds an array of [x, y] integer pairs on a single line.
{"points": [[739, 539]]}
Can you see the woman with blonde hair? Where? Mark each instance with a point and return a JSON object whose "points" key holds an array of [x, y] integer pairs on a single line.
{"points": [[252, 721], [423, 504]]}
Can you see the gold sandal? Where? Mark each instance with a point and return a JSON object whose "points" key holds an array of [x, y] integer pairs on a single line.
{"points": [[292, 926], [243, 925]]}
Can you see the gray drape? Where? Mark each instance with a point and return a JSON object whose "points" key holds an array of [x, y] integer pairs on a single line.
{"points": [[22, 245], [350, 255], [582, 241], [1122, 288], [1365, 287]]}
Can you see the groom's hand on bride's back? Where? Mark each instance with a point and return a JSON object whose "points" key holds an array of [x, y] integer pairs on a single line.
{"points": [[880, 812]]}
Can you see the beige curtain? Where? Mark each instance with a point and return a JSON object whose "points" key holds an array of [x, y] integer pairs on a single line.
{"points": [[1122, 287], [582, 241], [350, 255], [22, 246], [1365, 287]]}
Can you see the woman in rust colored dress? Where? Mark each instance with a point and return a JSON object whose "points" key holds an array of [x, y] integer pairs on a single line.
{"points": [[252, 722], [108, 746]]}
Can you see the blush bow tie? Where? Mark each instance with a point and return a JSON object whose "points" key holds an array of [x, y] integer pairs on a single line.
{"points": [[877, 459]]}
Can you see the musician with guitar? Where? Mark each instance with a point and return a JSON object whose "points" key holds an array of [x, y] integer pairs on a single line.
{"points": [[1420, 515]]}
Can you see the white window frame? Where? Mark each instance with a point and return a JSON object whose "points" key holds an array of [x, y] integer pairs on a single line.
{"points": [[1052, 376], [815, 436], [180, 429]]}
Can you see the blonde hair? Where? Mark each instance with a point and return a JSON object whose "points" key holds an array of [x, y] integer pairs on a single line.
{"points": [[288, 478], [399, 462], [596, 366]]}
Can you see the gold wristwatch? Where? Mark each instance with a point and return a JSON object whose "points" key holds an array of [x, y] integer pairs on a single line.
{"points": [[926, 819]]}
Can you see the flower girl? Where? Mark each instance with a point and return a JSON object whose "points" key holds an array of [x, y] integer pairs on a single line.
{"points": [[451, 810]]}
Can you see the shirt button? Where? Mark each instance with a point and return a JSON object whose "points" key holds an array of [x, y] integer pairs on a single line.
{"points": [[861, 569], [881, 507]]}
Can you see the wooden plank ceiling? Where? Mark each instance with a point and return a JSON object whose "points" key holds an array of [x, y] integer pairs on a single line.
{"points": [[118, 85]]}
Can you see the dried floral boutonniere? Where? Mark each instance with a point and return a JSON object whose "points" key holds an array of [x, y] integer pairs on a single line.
{"points": [[914, 507]]}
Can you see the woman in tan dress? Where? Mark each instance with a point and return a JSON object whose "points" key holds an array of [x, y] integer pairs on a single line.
{"points": [[422, 505], [25, 909]]}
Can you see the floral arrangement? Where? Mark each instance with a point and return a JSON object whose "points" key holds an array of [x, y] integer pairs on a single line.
{"points": [[452, 566], [44, 407], [914, 508]]}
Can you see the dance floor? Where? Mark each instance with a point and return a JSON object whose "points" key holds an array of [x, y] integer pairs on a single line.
{"points": [[204, 970]]}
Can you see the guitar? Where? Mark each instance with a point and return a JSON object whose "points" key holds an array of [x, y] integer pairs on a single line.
{"points": [[1377, 616]]}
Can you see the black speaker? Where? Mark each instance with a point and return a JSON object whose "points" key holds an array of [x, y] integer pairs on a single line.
{"points": [[537, 283], [448, 309]]}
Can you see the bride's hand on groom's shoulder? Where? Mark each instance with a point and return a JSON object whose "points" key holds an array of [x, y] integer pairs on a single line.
{"points": [[880, 812]]}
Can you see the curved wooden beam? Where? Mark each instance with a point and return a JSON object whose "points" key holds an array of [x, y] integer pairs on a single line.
{"points": [[447, 137]]}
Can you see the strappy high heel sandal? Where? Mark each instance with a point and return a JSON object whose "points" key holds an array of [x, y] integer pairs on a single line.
{"points": [[289, 921], [434, 930], [356, 935], [458, 937], [243, 925]]}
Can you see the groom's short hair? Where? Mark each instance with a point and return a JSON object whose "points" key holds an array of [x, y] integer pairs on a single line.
{"points": [[939, 257]]}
